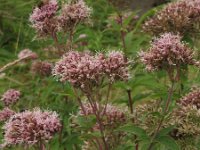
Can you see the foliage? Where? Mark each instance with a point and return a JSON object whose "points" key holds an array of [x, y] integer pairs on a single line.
{"points": [[106, 31]]}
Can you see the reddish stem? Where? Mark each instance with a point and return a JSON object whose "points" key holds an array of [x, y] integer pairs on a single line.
{"points": [[122, 33], [162, 119], [97, 114], [130, 101]]}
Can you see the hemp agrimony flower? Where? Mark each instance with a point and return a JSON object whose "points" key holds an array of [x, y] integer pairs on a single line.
{"points": [[83, 68], [31, 127], [44, 20], [73, 13], [6, 113], [167, 52], [177, 17], [10, 97], [192, 98], [27, 53], [41, 68]]}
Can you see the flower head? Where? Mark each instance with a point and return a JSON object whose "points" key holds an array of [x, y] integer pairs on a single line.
{"points": [[177, 17], [166, 52], [11, 96], [28, 54], [116, 66], [5, 114], [144, 115], [30, 127], [74, 13], [83, 68], [186, 119], [43, 19], [42, 68], [77, 68], [192, 98]]}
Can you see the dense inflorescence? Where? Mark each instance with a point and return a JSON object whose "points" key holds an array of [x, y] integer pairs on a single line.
{"points": [[31, 127], [177, 17], [186, 119], [116, 66], [27, 53], [167, 52], [74, 13], [6, 113], [83, 68], [41, 68], [44, 20], [144, 115], [10, 97], [192, 98]]}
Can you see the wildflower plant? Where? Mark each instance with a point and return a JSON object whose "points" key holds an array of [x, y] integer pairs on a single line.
{"points": [[10, 97], [179, 17], [43, 19], [87, 72], [104, 82], [48, 21], [168, 53], [113, 117], [31, 127]]}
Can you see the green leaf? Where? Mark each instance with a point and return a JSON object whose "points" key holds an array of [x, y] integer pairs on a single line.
{"points": [[86, 121], [168, 142], [141, 133], [128, 39], [130, 18], [144, 145], [165, 131]]}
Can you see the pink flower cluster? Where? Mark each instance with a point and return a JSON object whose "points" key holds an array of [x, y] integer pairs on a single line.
{"points": [[167, 52], [43, 19], [83, 68], [47, 21], [10, 97], [31, 127], [177, 17], [27, 53], [42, 68], [192, 98], [5, 114], [116, 66], [74, 13], [111, 115]]}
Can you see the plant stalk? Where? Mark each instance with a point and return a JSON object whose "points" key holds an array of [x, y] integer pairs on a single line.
{"points": [[170, 93]]}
